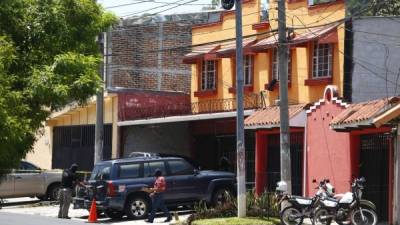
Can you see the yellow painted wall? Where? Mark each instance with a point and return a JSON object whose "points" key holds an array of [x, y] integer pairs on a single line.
{"points": [[298, 15], [41, 154]]}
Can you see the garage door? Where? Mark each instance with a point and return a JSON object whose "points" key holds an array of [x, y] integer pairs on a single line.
{"points": [[75, 144]]}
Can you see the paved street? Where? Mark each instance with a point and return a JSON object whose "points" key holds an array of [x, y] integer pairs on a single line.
{"points": [[28, 211]]}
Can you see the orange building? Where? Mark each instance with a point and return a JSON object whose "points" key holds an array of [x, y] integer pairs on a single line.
{"points": [[316, 30]]}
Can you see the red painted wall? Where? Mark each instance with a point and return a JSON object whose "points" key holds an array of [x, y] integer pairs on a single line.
{"points": [[261, 162], [147, 104], [328, 151]]}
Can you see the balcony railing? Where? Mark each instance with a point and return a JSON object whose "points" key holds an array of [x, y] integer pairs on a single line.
{"points": [[251, 101]]}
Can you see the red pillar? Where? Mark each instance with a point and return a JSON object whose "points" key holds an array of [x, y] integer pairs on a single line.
{"points": [[261, 162], [355, 155]]}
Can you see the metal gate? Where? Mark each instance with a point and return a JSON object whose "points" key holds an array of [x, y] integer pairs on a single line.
{"points": [[374, 161], [227, 148], [274, 162], [75, 144]]}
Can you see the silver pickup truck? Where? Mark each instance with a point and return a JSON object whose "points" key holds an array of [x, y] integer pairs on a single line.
{"points": [[30, 181]]}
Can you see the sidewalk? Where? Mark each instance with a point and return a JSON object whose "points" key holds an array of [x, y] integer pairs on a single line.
{"points": [[47, 210]]}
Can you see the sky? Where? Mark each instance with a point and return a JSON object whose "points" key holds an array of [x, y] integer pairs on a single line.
{"points": [[126, 8]]}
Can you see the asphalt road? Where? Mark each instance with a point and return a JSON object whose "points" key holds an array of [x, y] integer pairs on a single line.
{"points": [[25, 219]]}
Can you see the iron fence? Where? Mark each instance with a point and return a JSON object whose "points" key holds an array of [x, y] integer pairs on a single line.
{"points": [[250, 101]]}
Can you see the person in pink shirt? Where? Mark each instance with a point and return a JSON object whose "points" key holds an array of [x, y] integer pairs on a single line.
{"points": [[157, 195]]}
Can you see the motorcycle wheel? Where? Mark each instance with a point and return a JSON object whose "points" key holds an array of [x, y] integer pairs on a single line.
{"points": [[370, 217], [291, 216], [317, 220]]}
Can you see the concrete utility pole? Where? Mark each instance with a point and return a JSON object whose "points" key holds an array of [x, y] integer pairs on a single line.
{"points": [[240, 154], [283, 99], [99, 127]]}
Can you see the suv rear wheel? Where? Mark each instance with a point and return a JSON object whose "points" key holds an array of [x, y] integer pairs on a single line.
{"points": [[137, 207]]}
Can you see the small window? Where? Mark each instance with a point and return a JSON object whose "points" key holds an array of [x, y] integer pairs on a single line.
{"points": [[208, 74], [248, 69], [322, 60], [180, 167], [150, 168], [129, 171], [316, 2], [275, 60]]}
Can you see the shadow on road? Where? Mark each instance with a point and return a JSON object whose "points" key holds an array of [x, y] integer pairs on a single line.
{"points": [[28, 202]]}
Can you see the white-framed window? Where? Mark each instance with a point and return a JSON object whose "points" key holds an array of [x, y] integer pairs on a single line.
{"points": [[322, 60], [248, 61], [316, 2], [275, 60], [208, 74]]}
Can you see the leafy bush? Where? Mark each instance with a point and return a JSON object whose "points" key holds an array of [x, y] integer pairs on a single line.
{"points": [[264, 205]]}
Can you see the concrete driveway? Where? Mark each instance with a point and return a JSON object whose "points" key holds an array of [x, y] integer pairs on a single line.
{"points": [[32, 206]]}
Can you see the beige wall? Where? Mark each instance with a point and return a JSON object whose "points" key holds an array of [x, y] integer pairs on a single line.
{"points": [[42, 151], [41, 155]]}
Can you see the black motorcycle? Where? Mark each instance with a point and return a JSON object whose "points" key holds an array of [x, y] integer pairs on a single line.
{"points": [[348, 208], [297, 207]]}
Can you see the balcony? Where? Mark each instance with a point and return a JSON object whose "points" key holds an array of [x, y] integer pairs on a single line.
{"points": [[251, 101]]}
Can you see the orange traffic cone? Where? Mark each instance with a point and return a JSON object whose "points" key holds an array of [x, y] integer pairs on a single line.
{"points": [[93, 212]]}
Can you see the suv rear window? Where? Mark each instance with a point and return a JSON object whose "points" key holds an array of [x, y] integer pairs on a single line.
{"points": [[132, 170], [101, 172], [150, 168]]}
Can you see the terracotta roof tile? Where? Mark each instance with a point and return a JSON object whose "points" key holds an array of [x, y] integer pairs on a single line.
{"points": [[364, 111], [270, 116]]}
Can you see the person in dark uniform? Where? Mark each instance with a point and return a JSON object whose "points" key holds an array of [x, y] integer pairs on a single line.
{"points": [[157, 195], [68, 181]]}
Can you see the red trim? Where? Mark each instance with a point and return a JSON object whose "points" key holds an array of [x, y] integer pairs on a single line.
{"points": [[205, 93], [371, 130], [324, 5], [277, 131], [261, 26], [246, 89], [320, 81], [261, 162]]}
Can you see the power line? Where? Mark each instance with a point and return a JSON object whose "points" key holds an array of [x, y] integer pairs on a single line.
{"points": [[176, 5], [151, 1]]}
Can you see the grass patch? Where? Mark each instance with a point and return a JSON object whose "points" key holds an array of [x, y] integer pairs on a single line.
{"points": [[237, 221]]}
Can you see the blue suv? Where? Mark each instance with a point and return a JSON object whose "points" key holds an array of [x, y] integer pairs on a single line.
{"points": [[117, 185]]}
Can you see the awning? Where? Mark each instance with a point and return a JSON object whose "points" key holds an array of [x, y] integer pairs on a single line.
{"points": [[324, 34], [184, 118], [364, 114], [266, 43], [269, 117], [207, 51], [228, 49]]}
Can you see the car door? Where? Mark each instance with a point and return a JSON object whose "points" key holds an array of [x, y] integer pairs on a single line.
{"points": [[7, 186], [185, 187], [28, 180], [149, 170]]}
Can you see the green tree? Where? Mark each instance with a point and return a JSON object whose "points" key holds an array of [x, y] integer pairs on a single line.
{"points": [[374, 7], [48, 58]]}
